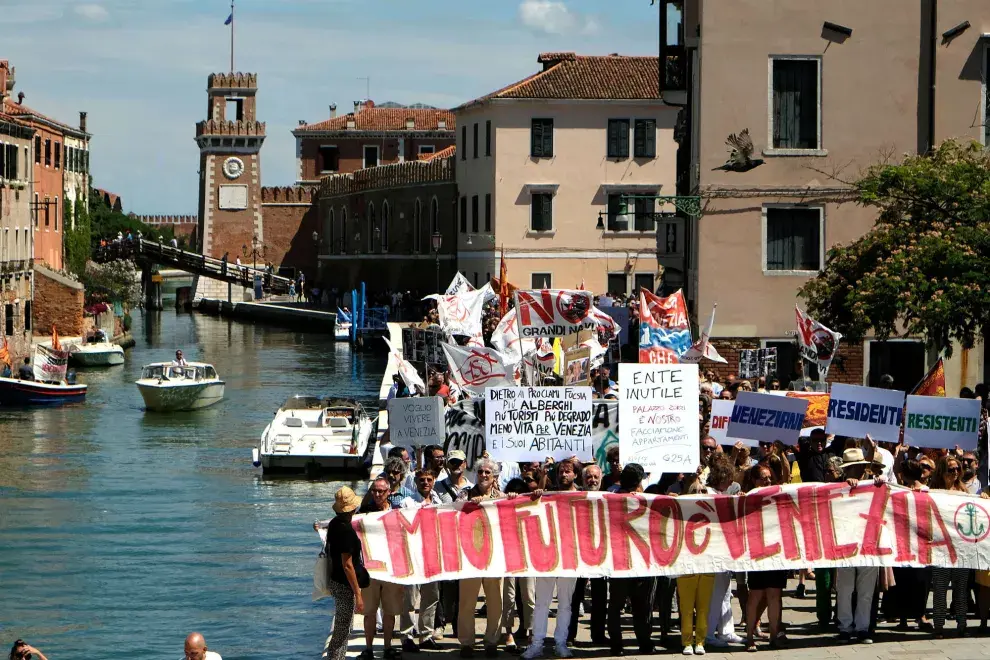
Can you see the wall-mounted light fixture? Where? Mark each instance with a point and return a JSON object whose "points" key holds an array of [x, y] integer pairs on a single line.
{"points": [[838, 29], [954, 32]]}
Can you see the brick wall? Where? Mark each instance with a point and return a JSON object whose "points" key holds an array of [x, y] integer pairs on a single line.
{"points": [[57, 300], [15, 302], [289, 235], [351, 151]]}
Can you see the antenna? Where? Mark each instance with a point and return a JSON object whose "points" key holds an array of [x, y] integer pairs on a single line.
{"points": [[367, 86]]}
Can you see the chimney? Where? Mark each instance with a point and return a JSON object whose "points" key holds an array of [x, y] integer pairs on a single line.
{"points": [[4, 74], [82, 121], [357, 106], [410, 123], [333, 110], [302, 122], [20, 98], [549, 60], [441, 125]]}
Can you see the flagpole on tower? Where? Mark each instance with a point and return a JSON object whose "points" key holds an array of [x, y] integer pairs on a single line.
{"points": [[231, 36]]}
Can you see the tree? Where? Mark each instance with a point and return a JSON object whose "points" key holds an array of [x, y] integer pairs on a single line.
{"points": [[112, 282], [77, 240], [924, 268]]}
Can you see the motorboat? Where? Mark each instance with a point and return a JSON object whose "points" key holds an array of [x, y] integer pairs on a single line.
{"points": [[96, 354], [312, 434], [342, 326], [167, 387], [53, 384]]}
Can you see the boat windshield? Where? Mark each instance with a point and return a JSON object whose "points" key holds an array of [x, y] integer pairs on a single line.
{"points": [[154, 371], [341, 413], [303, 403], [179, 373]]}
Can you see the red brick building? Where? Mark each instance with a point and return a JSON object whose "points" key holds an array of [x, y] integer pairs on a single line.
{"points": [[182, 225], [370, 136]]}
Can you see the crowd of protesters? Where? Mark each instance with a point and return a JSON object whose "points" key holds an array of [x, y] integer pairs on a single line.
{"points": [[849, 602]]}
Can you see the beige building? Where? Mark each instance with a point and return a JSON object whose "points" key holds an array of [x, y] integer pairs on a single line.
{"points": [[544, 166], [825, 89], [76, 169]]}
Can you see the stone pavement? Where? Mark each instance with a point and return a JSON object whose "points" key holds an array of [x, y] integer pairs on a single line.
{"points": [[805, 642]]}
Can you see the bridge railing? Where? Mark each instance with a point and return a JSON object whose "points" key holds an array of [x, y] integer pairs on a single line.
{"points": [[191, 262]]}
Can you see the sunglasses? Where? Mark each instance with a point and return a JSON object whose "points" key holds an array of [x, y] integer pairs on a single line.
{"points": [[379, 491], [707, 448], [926, 468], [952, 470], [488, 472]]}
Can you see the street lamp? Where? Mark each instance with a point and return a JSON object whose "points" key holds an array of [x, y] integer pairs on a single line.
{"points": [[435, 241], [254, 251]]}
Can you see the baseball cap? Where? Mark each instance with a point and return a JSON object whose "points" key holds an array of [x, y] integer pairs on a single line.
{"points": [[456, 455]]}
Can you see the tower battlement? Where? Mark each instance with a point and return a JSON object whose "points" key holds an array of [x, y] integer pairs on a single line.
{"points": [[232, 81]]}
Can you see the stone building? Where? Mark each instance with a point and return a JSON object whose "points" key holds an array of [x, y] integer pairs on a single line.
{"points": [[380, 225], [182, 225]]}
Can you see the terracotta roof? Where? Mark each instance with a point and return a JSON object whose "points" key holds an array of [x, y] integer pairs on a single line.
{"points": [[371, 118], [17, 109], [567, 75], [446, 152]]}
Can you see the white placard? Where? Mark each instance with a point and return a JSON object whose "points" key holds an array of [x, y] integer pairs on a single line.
{"points": [[658, 405], [855, 411], [767, 418], [416, 421], [532, 423], [233, 198], [937, 422], [719, 428]]}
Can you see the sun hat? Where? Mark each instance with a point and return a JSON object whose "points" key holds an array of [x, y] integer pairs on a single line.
{"points": [[456, 455], [854, 456], [345, 501]]}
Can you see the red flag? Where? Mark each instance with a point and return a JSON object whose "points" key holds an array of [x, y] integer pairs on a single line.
{"points": [[933, 384], [56, 346], [503, 286], [5, 353]]}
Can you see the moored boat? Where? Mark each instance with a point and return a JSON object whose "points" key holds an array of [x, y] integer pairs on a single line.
{"points": [[96, 354], [167, 387], [49, 386], [312, 434]]}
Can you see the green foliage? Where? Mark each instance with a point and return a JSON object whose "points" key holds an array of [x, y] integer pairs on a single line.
{"points": [[127, 322], [924, 269], [114, 281], [77, 241]]}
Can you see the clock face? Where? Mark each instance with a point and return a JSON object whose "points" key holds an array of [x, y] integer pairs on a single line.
{"points": [[233, 167]]}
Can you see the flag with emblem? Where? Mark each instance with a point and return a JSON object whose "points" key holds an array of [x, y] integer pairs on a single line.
{"points": [[475, 368], [933, 384]]}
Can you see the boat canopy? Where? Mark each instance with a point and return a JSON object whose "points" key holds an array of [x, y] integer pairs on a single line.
{"points": [[306, 402], [193, 371]]}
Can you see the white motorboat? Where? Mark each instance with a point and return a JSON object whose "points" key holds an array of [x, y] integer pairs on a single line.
{"points": [[96, 354], [310, 434], [167, 387], [342, 331]]}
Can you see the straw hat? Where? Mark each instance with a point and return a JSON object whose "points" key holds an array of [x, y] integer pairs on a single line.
{"points": [[854, 456], [345, 501]]}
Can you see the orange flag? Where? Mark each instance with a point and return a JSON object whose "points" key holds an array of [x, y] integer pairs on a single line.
{"points": [[56, 346], [5, 353], [503, 286], [933, 384]]}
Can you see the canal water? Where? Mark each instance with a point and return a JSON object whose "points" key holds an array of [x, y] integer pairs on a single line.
{"points": [[121, 531]]}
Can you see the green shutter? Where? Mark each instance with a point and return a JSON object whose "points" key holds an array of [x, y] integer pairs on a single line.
{"points": [[548, 138], [624, 138], [651, 138], [536, 135]]}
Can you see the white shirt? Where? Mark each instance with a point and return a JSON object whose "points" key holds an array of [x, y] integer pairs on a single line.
{"points": [[210, 655], [887, 459], [416, 500], [181, 363]]}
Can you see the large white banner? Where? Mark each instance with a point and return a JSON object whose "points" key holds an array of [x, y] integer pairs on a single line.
{"points": [[594, 534], [415, 421], [658, 404], [554, 312], [767, 418], [477, 368], [533, 423], [937, 422], [719, 428], [855, 411], [460, 314], [459, 284]]}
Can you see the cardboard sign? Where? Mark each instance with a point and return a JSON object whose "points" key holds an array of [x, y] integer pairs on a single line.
{"points": [[554, 312], [577, 366], [767, 418], [604, 430], [532, 423], [941, 423], [719, 428], [466, 430], [855, 411], [658, 404], [416, 421]]}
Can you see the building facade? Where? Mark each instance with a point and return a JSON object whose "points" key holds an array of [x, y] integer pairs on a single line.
{"points": [[76, 171], [824, 90], [181, 225], [382, 226], [368, 137], [562, 169], [16, 235]]}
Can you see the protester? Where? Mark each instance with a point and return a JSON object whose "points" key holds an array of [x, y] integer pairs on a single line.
{"points": [[25, 371], [387, 595], [970, 480], [485, 489], [908, 598], [428, 594], [947, 476], [395, 473], [195, 648], [592, 479], [343, 550], [21, 650], [694, 595], [522, 589], [434, 460], [614, 467], [455, 483], [721, 628]]}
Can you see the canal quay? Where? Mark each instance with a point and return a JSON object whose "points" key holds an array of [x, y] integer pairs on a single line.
{"points": [[122, 530]]}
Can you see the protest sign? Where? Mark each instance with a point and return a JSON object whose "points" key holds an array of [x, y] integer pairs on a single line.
{"points": [[664, 329], [817, 413], [941, 423], [553, 312], [595, 534], [577, 366], [459, 284], [604, 430], [460, 314], [659, 408], [532, 423], [465, 426], [856, 411], [415, 421], [50, 365], [767, 418], [756, 362], [818, 344], [474, 368], [719, 428]]}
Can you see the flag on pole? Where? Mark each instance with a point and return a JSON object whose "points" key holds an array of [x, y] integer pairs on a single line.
{"points": [[703, 347], [664, 330], [933, 384], [230, 19], [5, 353], [818, 343], [503, 286], [474, 368]]}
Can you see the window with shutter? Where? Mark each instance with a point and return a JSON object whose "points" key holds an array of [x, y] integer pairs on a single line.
{"points": [[488, 137], [795, 104], [541, 143], [463, 146], [793, 238], [464, 214], [645, 208], [488, 213], [3, 161], [618, 138], [474, 214], [645, 138], [542, 212]]}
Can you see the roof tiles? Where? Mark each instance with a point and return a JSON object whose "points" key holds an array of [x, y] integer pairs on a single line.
{"points": [[385, 119]]}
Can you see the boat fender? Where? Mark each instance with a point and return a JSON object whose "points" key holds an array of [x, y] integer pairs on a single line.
{"points": [[255, 457]]}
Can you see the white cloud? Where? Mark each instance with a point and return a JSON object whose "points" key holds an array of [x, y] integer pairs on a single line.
{"points": [[554, 17], [91, 12]]}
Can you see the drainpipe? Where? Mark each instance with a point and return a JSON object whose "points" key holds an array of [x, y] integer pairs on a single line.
{"points": [[932, 54]]}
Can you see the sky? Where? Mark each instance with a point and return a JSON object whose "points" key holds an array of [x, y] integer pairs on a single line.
{"points": [[139, 68]]}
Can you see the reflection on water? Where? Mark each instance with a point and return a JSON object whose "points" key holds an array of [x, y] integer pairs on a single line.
{"points": [[125, 530]]}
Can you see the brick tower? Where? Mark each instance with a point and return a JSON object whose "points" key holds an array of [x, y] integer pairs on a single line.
{"points": [[230, 168]]}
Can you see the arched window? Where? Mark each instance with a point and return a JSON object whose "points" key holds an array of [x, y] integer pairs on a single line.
{"points": [[371, 227], [343, 229], [330, 231], [386, 217], [417, 238], [434, 217]]}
